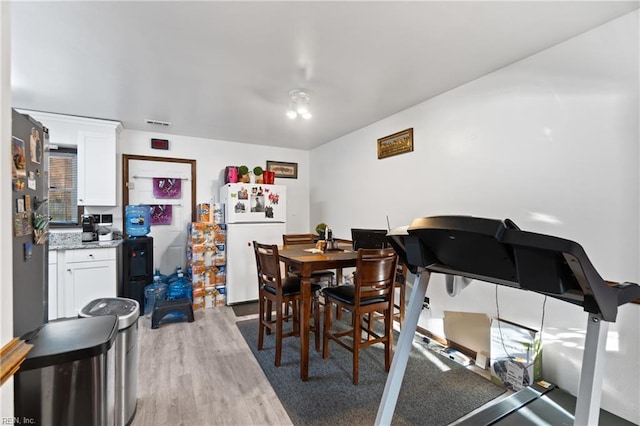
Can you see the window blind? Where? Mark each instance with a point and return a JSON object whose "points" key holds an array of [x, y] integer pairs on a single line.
{"points": [[63, 186]]}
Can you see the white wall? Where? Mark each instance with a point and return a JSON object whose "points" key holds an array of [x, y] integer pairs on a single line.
{"points": [[212, 156], [550, 142], [6, 262]]}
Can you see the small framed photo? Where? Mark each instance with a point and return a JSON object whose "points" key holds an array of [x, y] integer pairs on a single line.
{"points": [[283, 170], [20, 205]]}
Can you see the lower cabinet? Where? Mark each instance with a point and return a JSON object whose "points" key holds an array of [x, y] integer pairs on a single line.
{"points": [[87, 274], [53, 284]]}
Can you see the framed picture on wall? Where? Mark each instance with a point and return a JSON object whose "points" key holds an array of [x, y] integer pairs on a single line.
{"points": [[283, 170], [397, 143]]}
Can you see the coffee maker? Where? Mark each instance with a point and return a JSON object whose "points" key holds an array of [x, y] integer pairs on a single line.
{"points": [[89, 228]]}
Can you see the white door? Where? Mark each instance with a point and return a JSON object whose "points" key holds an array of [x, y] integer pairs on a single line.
{"points": [[170, 234]]}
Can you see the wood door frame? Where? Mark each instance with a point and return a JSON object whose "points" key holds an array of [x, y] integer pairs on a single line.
{"points": [[125, 178]]}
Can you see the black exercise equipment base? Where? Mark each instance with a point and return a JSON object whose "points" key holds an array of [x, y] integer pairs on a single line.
{"points": [[533, 406]]}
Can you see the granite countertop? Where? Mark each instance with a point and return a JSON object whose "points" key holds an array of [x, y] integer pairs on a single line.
{"points": [[73, 241]]}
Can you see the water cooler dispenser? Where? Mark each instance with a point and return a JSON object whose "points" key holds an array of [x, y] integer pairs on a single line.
{"points": [[137, 267]]}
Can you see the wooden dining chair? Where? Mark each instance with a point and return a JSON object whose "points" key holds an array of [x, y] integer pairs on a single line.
{"points": [[372, 292], [401, 285], [298, 239], [399, 299], [273, 290]]}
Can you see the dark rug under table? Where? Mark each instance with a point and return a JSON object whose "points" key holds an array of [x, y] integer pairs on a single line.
{"points": [[435, 390]]}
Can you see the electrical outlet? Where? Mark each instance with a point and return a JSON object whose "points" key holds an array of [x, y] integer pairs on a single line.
{"points": [[425, 303]]}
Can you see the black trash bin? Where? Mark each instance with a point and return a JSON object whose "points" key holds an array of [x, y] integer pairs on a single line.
{"points": [[126, 352], [68, 377]]}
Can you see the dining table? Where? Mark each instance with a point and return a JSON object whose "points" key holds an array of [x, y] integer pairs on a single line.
{"points": [[306, 258]]}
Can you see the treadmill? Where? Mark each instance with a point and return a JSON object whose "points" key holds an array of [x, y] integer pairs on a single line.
{"points": [[497, 251]]}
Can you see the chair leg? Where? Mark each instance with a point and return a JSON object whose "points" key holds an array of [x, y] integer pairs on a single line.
{"points": [[327, 329], [316, 321], [403, 289], [296, 316], [278, 335], [357, 338], [388, 343], [261, 320], [269, 315]]}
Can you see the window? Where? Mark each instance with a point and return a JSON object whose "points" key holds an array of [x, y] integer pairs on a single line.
{"points": [[63, 186]]}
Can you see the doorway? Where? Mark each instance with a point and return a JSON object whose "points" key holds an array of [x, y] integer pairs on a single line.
{"points": [[143, 178]]}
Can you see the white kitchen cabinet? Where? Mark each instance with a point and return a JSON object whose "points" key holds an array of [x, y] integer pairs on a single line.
{"points": [[52, 303], [88, 274], [96, 142], [96, 170]]}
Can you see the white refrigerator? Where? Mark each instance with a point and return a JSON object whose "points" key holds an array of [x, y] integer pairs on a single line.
{"points": [[252, 212]]}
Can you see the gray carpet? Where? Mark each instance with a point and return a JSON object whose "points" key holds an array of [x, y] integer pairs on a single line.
{"points": [[429, 395]]}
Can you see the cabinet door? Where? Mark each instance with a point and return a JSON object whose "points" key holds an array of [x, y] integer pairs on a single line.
{"points": [[87, 281], [53, 290], [96, 142], [96, 169]]}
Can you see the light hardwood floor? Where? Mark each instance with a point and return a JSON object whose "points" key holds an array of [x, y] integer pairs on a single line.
{"points": [[202, 373]]}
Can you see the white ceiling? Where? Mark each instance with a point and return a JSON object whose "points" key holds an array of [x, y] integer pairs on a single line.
{"points": [[223, 70]]}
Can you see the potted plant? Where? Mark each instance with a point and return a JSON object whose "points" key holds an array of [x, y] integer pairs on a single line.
{"points": [[257, 172], [243, 172], [40, 228], [320, 229]]}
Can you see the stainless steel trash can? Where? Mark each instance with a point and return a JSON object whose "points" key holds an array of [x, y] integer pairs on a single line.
{"points": [[68, 376], [126, 352]]}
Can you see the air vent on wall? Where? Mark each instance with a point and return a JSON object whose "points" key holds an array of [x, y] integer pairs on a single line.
{"points": [[158, 122]]}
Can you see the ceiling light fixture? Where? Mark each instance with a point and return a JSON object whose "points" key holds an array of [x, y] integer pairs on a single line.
{"points": [[299, 104]]}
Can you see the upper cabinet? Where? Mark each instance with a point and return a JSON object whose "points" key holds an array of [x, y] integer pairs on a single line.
{"points": [[96, 168], [96, 142]]}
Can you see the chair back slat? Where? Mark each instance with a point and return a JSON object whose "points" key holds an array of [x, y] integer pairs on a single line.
{"points": [[294, 239], [375, 272], [268, 264]]}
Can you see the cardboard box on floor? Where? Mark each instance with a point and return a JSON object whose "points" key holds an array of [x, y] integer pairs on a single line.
{"points": [[468, 329], [516, 357]]}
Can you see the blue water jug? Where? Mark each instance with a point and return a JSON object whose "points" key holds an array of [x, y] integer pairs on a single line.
{"points": [[137, 220], [171, 278], [180, 288], [161, 278], [153, 293]]}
